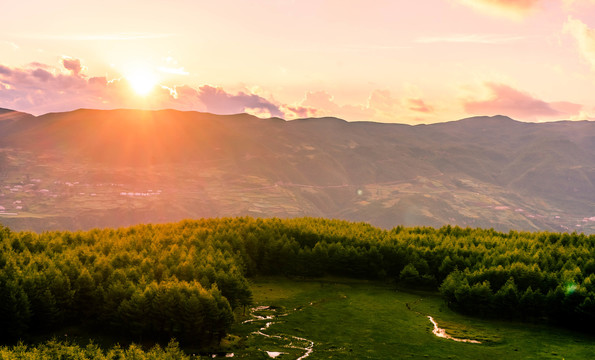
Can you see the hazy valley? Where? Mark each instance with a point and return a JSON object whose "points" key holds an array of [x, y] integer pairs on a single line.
{"points": [[90, 168]]}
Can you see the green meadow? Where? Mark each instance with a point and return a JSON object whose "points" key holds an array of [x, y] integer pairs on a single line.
{"points": [[296, 289], [350, 319]]}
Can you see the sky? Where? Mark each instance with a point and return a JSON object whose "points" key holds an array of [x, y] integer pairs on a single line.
{"points": [[397, 61]]}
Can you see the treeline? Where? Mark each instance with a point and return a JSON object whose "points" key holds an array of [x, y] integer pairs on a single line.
{"points": [[145, 282], [182, 280], [52, 350]]}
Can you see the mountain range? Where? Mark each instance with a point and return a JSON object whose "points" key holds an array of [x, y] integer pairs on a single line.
{"points": [[100, 168]]}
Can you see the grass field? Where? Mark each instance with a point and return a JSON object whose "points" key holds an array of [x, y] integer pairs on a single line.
{"points": [[347, 319]]}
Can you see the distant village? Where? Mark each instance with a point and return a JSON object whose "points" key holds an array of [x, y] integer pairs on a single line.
{"points": [[20, 197]]}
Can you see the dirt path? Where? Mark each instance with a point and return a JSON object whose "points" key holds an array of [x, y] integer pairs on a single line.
{"points": [[294, 342], [439, 332]]}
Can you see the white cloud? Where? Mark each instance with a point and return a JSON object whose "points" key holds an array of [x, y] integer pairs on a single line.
{"points": [[105, 36], [12, 45], [175, 71], [584, 36], [470, 38]]}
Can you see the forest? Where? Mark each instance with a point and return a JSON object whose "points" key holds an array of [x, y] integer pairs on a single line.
{"points": [[184, 280]]}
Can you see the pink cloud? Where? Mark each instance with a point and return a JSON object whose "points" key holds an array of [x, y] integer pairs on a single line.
{"points": [[320, 100], [73, 65], [39, 88], [382, 101], [505, 100], [294, 112], [42, 74], [515, 4], [325, 105], [219, 101], [565, 107], [406, 109], [182, 98], [5, 70], [513, 8], [419, 105]]}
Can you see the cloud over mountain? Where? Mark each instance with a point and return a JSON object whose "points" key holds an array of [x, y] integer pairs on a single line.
{"points": [[39, 88], [42, 88], [217, 100], [504, 99], [326, 105]]}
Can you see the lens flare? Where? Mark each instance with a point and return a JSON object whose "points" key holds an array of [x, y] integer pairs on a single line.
{"points": [[570, 288]]}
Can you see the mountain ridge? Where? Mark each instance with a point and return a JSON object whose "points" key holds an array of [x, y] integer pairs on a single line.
{"points": [[480, 171], [471, 118]]}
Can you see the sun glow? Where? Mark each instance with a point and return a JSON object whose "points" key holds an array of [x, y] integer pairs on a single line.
{"points": [[142, 81]]}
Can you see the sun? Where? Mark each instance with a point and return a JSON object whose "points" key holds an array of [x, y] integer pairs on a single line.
{"points": [[142, 81]]}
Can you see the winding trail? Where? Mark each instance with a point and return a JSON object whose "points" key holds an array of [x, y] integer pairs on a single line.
{"points": [[441, 333], [295, 342]]}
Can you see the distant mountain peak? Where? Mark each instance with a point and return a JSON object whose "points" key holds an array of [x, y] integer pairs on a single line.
{"points": [[324, 119], [486, 122], [9, 114], [500, 118]]}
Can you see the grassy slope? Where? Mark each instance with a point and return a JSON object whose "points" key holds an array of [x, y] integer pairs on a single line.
{"points": [[364, 320]]}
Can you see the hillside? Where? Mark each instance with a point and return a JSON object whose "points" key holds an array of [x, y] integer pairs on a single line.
{"points": [[91, 168]]}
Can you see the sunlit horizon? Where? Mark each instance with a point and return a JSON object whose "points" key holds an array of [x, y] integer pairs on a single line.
{"points": [[402, 62]]}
